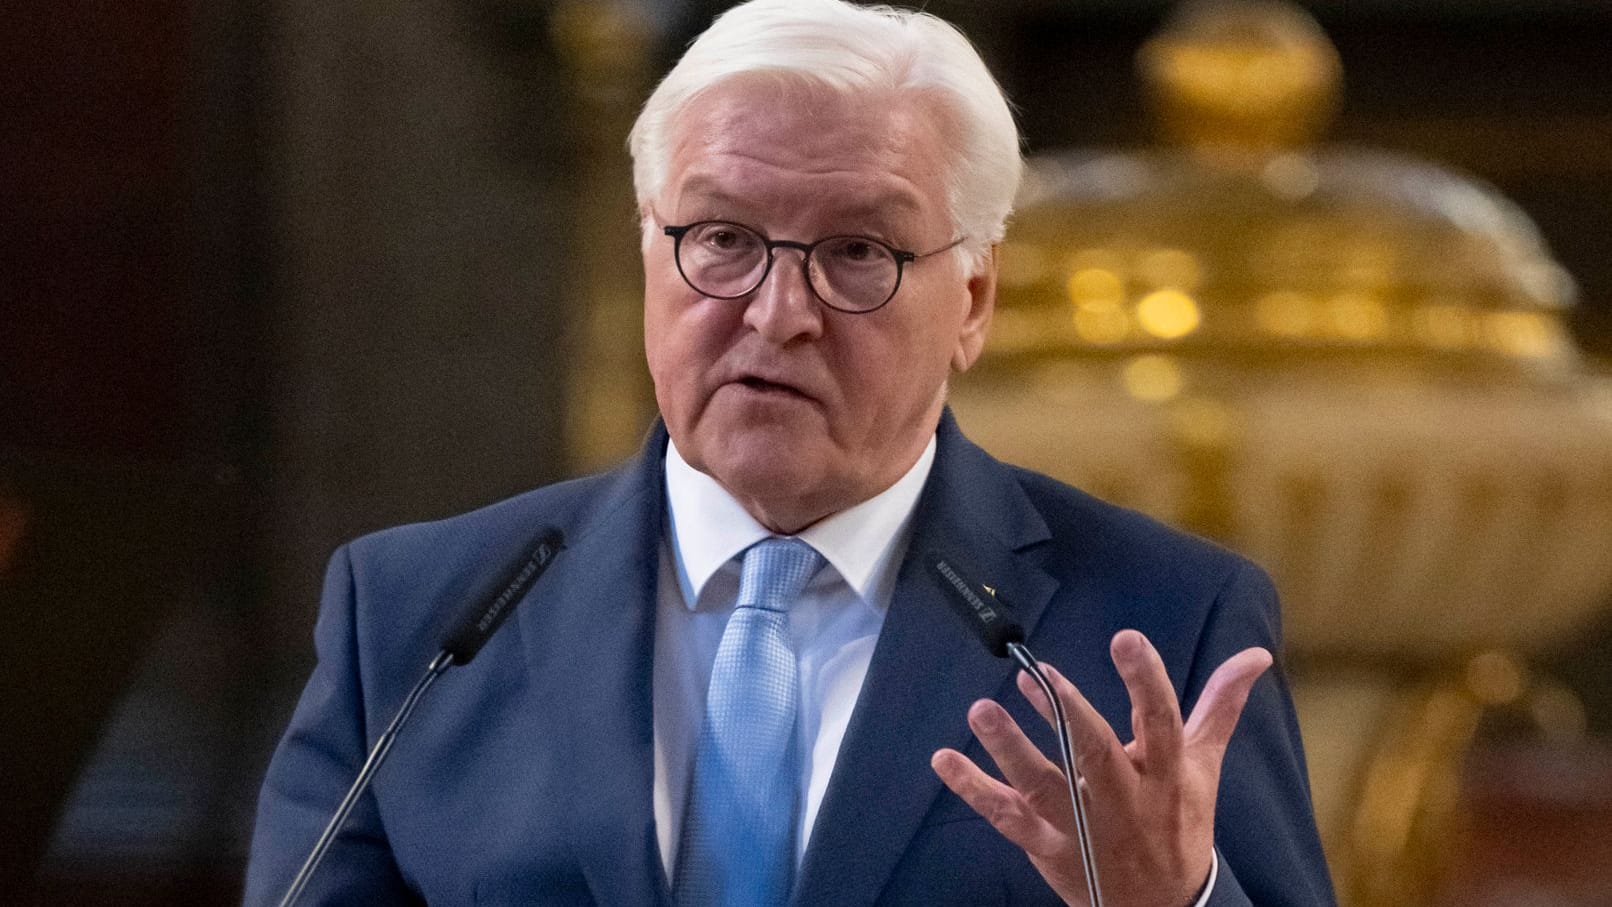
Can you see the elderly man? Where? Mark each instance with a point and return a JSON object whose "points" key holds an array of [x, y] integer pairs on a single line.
{"points": [[738, 685]]}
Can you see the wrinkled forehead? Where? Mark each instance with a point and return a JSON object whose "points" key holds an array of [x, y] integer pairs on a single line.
{"points": [[805, 143]]}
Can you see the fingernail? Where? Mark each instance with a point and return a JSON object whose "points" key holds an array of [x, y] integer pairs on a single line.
{"points": [[1128, 644]]}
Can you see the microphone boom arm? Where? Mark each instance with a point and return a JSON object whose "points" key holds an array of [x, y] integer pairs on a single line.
{"points": [[464, 640], [377, 755], [1066, 752]]}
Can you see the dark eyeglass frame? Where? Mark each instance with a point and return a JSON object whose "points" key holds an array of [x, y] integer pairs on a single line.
{"points": [[902, 259]]}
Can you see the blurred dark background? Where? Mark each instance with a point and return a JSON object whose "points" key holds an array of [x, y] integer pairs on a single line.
{"points": [[276, 274]]}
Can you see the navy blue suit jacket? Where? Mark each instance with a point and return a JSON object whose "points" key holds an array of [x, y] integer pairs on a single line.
{"points": [[526, 776]]}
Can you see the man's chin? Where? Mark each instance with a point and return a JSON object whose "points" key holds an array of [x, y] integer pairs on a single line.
{"points": [[782, 484], [772, 472]]}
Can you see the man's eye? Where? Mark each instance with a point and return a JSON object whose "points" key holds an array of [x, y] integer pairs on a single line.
{"points": [[857, 250], [726, 239]]}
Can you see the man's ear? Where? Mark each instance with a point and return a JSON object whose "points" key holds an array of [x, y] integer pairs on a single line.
{"points": [[977, 322]]}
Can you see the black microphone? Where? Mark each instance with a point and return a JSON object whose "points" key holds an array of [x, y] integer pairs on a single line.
{"points": [[475, 625], [986, 613], [486, 614], [989, 620]]}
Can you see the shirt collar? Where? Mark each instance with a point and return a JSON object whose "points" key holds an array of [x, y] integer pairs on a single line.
{"points": [[709, 528]]}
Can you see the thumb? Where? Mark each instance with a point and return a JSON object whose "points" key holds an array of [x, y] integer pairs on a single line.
{"points": [[1221, 705]]}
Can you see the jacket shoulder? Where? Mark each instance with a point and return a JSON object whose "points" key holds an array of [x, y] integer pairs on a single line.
{"points": [[481, 534], [1086, 530]]}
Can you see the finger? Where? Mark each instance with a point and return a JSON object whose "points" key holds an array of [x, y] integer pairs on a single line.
{"points": [[1221, 705], [1155, 712], [1098, 752], [1038, 697], [1022, 764], [1002, 806]]}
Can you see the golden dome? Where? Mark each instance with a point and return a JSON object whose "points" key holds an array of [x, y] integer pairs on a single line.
{"points": [[1243, 234], [1278, 344]]}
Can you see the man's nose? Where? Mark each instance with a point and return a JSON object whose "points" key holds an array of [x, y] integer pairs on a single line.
{"points": [[784, 307]]}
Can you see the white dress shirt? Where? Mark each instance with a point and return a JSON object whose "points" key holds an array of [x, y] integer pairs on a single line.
{"points": [[833, 627]]}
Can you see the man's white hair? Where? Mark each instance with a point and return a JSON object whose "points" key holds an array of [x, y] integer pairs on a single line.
{"points": [[848, 48]]}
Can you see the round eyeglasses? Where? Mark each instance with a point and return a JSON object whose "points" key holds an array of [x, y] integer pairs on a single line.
{"points": [[853, 274]]}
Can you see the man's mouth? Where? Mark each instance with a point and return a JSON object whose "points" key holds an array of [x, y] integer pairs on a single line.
{"points": [[762, 385]]}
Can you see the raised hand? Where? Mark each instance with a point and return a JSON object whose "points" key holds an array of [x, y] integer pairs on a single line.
{"points": [[1151, 801]]}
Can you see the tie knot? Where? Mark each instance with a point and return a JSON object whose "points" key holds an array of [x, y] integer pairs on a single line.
{"points": [[775, 571]]}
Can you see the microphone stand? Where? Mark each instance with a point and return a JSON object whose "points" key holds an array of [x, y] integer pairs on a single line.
{"points": [[377, 755], [1066, 752], [466, 637]]}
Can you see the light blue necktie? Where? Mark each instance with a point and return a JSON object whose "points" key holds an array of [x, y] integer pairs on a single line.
{"points": [[738, 842]]}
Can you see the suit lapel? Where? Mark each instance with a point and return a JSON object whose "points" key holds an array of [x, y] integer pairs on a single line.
{"points": [[603, 631], [927, 668]]}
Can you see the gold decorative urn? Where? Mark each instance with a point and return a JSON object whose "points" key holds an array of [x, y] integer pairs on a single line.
{"points": [[1347, 364]]}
